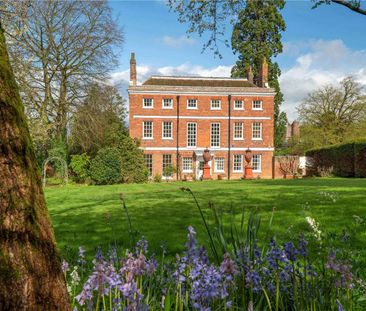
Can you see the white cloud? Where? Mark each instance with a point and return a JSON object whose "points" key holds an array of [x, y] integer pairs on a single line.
{"points": [[178, 42], [318, 63]]}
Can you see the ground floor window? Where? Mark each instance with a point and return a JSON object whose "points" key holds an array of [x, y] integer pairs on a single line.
{"points": [[167, 165], [148, 163], [219, 164], [257, 163], [238, 163], [187, 164]]}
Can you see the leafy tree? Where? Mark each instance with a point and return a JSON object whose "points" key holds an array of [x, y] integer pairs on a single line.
{"points": [[333, 111], [354, 5], [58, 50], [30, 266], [99, 121], [133, 168], [256, 34]]}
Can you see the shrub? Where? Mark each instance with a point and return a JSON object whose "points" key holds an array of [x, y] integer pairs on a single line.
{"points": [[157, 178], [105, 168], [360, 159], [133, 168], [80, 164]]}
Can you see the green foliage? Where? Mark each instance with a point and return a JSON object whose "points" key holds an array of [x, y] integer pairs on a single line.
{"points": [[80, 164], [105, 168], [345, 160], [169, 170], [99, 122], [157, 178], [257, 34], [58, 149], [133, 167]]}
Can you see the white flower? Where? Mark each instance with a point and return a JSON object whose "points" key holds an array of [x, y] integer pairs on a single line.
{"points": [[315, 227], [75, 279]]}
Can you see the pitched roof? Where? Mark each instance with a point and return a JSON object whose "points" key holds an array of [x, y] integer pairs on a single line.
{"points": [[198, 82]]}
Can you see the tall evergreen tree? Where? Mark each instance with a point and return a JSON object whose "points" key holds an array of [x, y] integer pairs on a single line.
{"points": [[257, 34]]}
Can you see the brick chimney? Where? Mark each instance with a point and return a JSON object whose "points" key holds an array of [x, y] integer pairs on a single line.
{"points": [[250, 75], [133, 74], [263, 74]]}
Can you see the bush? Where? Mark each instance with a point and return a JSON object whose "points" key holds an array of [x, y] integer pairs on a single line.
{"points": [[157, 177], [133, 168], [345, 160], [105, 168], [80, 164]]}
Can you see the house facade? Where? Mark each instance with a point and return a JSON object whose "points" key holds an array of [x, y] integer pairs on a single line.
{"points": [[177, 118]]}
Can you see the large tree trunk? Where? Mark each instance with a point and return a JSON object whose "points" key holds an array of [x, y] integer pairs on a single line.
{"points": [[30, 271]]}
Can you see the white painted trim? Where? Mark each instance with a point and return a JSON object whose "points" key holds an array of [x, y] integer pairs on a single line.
{"points": [[198, 93], [215, 108], [201, 117], [241, 156], [191, 147], [152, 103], [260, 164], [197, 78], [162, 131], [152, 131], [194, 108], [202, 149], [162, 104]]}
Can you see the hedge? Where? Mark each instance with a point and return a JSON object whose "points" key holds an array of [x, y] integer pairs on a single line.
{"points": [[345, 160]]}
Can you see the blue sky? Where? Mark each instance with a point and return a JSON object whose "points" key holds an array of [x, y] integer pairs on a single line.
{"points": [[320, 46]]}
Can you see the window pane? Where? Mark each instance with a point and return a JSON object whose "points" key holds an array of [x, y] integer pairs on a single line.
{"points": [[257, 130], [191, 134], [192, 103], [148, 163], [256, 162], [167, 129], [167, 165], [238, 163], [215, 134], [167, 103], [187, 164], [238, 104], [215, 104], [148, 103], [219, 164], [257, 104], [238, 130], [147, 129]]}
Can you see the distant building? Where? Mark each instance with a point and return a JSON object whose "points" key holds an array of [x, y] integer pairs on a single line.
{"points": [[293, 130], [177, 118]]}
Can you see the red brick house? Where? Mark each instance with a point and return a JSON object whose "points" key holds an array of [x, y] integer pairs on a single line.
{"points": [[176, 118]]}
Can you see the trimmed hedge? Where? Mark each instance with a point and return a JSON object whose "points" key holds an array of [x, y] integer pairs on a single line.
{"points": [[345, 160]]}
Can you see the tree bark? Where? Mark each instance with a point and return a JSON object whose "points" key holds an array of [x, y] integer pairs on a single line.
{"points": [[30, 266]]}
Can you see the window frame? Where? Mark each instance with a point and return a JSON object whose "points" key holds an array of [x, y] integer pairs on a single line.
{"points": [[256, 101], [241, 163], [143, 130], [148, 107], [260, 163], [216, 170], [261, 131], [239, 100], [242, 131], [187, 136], [171, 130], [149, 165], [167, 107], [192, 108], [215, 108], [219, 135], [189, 170], [163, 166]]}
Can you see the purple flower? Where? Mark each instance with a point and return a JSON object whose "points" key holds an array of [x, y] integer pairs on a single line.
{"points": [[64, 266], [81, 259], [228, 266], [141, 246]]}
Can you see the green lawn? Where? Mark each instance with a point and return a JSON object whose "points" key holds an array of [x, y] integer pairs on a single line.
{"points": [[92, 215]]}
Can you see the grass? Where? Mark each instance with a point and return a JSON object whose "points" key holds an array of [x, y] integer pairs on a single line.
{"points": [[93, 215]]}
